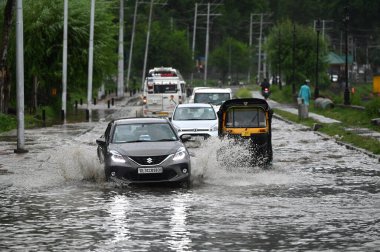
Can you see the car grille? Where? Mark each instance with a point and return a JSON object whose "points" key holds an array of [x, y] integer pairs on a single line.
{"points": [[149, 160], [166, 175], [194, 130]]}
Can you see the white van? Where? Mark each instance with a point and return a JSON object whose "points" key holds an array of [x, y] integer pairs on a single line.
{"points": [[164, 88], [213, 96]]}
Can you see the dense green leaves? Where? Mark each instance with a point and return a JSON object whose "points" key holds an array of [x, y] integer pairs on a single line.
{"points": [[279, 47], [43, 42], [171, 38], [232, 57]]}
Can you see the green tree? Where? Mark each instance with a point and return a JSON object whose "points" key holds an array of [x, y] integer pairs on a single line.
{"points": [[6, 23], [43, 41], [230, 58], [166, 48], [279, 49]]}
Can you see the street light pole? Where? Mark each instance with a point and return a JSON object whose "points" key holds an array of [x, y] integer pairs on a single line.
{"points": [[20, 78], [316, 89], [147, 44], [64, 60], [279, 59], [294, 60], [346, 91]]}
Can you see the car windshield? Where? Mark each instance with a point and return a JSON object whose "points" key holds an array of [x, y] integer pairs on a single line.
{"points": [[211, 98], [194, 113], [143, 132], [245, 118]]}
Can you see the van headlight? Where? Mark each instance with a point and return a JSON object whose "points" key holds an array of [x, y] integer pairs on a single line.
{"points": [[117, 157], [180, 154], [214, 128]]}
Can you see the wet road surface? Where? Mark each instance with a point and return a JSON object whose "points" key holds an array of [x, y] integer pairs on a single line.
{"points": [[318, 196]]}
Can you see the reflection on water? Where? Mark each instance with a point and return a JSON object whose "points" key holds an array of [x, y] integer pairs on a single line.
{"points": [[317, 196]]}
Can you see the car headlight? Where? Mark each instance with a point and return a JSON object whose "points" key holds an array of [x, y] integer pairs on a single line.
{"points": [[214, 128], [180, 154], [117, 157]]}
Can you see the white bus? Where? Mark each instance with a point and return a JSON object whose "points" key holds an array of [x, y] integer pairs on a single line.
{"points": [[164, 88]]}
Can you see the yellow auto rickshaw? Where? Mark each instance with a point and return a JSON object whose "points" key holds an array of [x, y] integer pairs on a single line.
{"points": [[248, 121]]}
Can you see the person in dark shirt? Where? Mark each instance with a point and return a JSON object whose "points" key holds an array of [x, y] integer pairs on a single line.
{"points": [[264, 84]]}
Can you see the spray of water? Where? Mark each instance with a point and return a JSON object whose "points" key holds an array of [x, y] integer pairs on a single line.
{"points": [[81, 163], [223, 162]]}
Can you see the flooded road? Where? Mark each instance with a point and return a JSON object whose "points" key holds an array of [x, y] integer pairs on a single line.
{"points": [[318, 196]]}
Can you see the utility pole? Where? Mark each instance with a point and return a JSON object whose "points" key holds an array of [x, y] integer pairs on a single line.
{"points": [[294, 60], [316, 89], [147, 44], [90, 58], [64, 60], [250, 49], [207, 34], [20, 79], [346, 91], [120, 76], [132, 41], [261, 24], [193, 44], [259, 58], [207, 42]]}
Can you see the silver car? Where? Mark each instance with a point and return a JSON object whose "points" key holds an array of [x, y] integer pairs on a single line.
{"points": [[143, 150]]}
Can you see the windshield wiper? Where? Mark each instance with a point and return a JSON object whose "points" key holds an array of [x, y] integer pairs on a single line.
{"points": [[137, 141]]}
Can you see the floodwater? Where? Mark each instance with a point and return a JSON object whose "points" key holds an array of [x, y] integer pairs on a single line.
{"points": [[317, 196]]}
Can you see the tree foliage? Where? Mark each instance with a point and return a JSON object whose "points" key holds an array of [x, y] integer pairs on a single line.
{"points": [[43, 46], [279, 48], [230, 58]]}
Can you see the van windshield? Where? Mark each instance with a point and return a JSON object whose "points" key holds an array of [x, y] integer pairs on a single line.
{"points": [[211, 98], [165, 88]]}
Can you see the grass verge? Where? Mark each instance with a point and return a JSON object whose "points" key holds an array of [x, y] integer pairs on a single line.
{"points": [[337, 131]]}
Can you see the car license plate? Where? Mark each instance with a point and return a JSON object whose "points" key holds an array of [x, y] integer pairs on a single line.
{"points": [[149, 170], [198, 138], [245, 133]]}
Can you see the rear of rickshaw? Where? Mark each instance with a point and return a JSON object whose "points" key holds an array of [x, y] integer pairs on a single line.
{"points": [[247, 122]]}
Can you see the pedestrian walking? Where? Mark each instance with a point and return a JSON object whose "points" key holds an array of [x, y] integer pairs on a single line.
{"points": [[305, 93], [304, 96]]}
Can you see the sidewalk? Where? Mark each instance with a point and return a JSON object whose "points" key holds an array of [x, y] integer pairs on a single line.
{"points": [[322, 119], [294, 110]]}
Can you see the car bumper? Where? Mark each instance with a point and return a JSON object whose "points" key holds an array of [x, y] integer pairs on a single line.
{"points": [[173, 173], [194, 134]]}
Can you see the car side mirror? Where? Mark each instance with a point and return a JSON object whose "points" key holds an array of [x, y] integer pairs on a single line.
{"points": [[101, 141]]}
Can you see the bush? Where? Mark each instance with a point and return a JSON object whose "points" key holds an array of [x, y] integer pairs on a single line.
{"points": [[243, 93], [7, 122], [373, 107]]}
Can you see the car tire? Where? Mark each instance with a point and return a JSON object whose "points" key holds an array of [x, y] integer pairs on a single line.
{"points": [[107, 173]]}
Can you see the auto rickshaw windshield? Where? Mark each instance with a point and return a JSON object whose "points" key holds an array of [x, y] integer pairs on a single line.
{"points": [[245, 117]]}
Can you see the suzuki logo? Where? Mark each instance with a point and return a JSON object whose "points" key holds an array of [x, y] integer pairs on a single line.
{"points": [[149, 160]]}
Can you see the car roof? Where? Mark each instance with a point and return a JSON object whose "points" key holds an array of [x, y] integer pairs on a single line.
{"points": [[212, 90], [140, 120], [194, 105]]}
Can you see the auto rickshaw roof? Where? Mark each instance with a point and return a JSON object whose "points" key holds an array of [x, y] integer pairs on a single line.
{"points": [[245, 102]]}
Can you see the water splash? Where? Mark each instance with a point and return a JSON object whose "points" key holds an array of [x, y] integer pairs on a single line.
{"points": [[231, 168]]}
